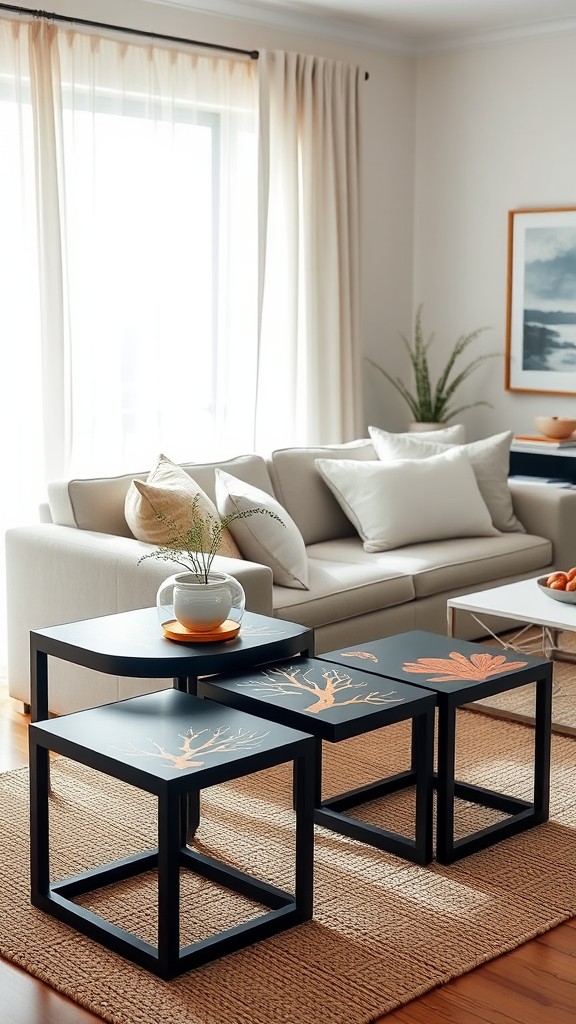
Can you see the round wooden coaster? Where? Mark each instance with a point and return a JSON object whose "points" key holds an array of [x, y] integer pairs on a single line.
{"points": [[227, 630]]}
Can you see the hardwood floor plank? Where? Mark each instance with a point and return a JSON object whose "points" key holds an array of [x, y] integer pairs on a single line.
{"points": [[534, 984], [27, 1001], [542, 975]]}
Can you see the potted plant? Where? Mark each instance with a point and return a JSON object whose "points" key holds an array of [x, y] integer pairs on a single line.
{"points": [[429, 403], [200, 599]]}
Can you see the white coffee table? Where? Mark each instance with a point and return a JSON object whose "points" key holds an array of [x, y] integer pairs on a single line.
{"points": [[521, 602]]}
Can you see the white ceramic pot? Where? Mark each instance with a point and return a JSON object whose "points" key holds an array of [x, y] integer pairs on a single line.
{"points": [[199, 606]]}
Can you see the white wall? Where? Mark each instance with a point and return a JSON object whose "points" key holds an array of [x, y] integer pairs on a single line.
{"points": [[451, 142], [388, 113], [496, 131]]}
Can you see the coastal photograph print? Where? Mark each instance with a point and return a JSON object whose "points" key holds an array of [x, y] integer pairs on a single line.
{"points": [[541, 314]]}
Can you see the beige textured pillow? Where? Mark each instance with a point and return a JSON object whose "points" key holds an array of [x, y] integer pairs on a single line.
{"points": [[490, 458], [170, 490]]}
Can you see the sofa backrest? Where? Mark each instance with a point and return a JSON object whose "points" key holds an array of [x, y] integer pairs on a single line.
{"points": [[300, 488], [98, 503]]}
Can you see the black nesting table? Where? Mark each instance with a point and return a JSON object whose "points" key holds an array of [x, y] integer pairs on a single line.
{"points": [[333, 704], [170, 744], [132, 644], [459, 672]]}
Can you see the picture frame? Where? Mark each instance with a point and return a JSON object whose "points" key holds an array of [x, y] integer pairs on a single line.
{"points": [[541, 306]]}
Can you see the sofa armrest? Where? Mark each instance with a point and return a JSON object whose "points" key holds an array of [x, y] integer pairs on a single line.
{"points": [[548, 511], [57, 574]]}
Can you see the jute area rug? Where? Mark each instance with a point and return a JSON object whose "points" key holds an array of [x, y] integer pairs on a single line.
{"points": [[518, 705], [384, 931]]}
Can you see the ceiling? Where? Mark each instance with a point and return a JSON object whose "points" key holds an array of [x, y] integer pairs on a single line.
{"points": [[411, 25]]}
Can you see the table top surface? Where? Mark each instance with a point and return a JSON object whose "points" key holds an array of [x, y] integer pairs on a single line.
{"points": [[330, 701], [445, 665], [169, 734], [133, 644], [522, 601]]}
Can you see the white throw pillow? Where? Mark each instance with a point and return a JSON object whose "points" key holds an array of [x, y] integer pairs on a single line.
{"points": [[260, 537], [170, 490], [456, 434], [490, 459], [392, 504]]}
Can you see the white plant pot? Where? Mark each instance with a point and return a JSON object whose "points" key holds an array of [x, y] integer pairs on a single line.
{"points": [[421, 427], [199, 606]]}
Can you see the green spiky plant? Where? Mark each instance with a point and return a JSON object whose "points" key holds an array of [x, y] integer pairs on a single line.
{"points": [[429, 403], [196, 548]]}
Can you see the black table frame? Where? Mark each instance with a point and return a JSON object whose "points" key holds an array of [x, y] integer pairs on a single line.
{"points": [[167, 959], [522, 814], [331, 812], [184, 662]]}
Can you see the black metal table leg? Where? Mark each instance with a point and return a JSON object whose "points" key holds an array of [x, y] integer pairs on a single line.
{"points": [[445, 784]]}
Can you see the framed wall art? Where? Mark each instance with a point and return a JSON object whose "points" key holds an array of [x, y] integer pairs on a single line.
{"points": [[541, 314]]}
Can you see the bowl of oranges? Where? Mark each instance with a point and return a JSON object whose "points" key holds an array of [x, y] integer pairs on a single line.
{"points": [[561, 586]]}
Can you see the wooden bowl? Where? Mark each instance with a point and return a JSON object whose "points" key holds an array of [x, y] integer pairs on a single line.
{"points": [[556, 427]]}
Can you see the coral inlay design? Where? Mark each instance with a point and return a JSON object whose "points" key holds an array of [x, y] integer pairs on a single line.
{"points": [[193, 749], [365, 655], [477, 667], [328, 691]]}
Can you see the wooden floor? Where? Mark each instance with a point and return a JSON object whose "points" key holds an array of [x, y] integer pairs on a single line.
{"points": [[535, 984]]}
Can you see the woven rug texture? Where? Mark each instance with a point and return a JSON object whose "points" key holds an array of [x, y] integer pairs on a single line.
{"points": [[384, 930]]}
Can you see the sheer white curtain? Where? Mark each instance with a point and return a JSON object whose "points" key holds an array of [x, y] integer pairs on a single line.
{"points": [[158, 199], [128, 258], [173, 276], [21, 395], [309, 367]]}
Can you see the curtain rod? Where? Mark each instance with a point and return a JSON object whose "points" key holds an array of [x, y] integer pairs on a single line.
{"points": [[51, 16], [253, 54]]}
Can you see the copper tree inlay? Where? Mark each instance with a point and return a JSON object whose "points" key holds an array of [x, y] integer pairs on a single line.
{"points": [[193, 750], [333, 690], [477, 667]]}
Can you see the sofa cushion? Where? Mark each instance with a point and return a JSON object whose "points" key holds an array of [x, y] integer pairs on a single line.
{"points": [[490, 458], [339, 590], [273, 540], [345, 581], [97, 503], [304, 494], [302, 491], [169, 491], [466, 563], [408, 501]]}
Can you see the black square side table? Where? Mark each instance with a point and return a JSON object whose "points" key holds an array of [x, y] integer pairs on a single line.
{"points": [[169, 744], [133, 644], [459, 672], [334, 705]]}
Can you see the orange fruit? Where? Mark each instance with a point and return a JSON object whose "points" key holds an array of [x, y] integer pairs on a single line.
{"points": [[571, 585], [558, 585], [557, 577], [571, 574]]}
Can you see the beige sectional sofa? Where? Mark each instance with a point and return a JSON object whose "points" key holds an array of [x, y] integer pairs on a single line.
{"points": [[81, 561]]}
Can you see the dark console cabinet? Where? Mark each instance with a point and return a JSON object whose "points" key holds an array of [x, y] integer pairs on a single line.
{"points": [[558, 464]]}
